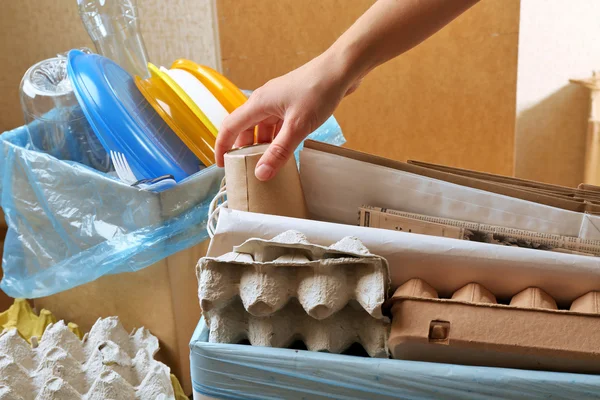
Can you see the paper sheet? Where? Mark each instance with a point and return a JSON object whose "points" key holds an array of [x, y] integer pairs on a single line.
{"points": [[335, 186], [446, 264]]}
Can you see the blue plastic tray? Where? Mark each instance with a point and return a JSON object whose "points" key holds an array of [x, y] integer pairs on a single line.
{"points": [[124, 121]]}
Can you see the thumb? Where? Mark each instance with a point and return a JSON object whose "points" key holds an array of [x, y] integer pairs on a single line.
{"points": [[281, 149]]}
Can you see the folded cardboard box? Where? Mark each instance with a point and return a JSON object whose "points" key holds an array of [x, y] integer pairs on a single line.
{"points": [[471, 328]]}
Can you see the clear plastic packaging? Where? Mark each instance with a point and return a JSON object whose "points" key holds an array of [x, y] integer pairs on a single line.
{"points": [[47, 97], [115, 30]]}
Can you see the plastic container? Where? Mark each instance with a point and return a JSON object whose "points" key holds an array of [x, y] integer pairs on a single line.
{"points": [[124, 121], [208, 103], [191, 104], [178, 115], [223, 89], [62, 130], [236, 371], [114, 28]]}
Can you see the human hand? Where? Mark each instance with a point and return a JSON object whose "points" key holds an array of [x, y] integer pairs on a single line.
{"points": [[286, 110], [290, 107]]}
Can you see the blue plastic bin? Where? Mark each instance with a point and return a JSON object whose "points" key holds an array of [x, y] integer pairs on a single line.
{"points": [[231, 371]]}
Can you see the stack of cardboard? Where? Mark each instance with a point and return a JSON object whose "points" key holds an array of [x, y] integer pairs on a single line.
{"points": [[543, 287], [492, 305], [585, 198], [338, 181]]}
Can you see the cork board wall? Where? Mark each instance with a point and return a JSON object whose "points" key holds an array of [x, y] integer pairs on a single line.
{"points": [[451, 100], [33, 30]]}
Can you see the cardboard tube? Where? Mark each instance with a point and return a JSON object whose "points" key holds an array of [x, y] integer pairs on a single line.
{"points": [[282, 195]]}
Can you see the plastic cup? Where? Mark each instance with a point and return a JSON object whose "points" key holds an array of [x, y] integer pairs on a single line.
{"points": [[55, 121]]}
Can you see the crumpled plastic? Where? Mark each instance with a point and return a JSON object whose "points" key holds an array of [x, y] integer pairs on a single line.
{"points": [[330, 132], [70, 224], [234, 371]]}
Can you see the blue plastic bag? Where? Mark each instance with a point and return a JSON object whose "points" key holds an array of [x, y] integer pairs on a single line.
{"points": [[70, 224]]}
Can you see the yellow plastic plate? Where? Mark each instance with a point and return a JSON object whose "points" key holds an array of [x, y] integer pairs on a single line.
{"points": [[186, 99], [178, 115], [222, 88]]}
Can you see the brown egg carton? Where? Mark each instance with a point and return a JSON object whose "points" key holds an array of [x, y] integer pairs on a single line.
{"points": [[472, 328]]}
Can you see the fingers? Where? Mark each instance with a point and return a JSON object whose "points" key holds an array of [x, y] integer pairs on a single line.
{"points": [[241, 120], [245, 138], [277, 128], [282, 148], [262, 133], [265, 133]]}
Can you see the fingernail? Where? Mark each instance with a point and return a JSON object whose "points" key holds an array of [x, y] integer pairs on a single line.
{"points": [[263, 172]]}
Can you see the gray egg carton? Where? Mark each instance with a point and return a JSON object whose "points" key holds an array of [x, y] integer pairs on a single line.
{"points": [[267, 274], [275, 292], [108, 364], [334, 334]]}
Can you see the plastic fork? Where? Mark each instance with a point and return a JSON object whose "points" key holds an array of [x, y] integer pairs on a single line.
{"points": [[122, 168], [125, 173]]}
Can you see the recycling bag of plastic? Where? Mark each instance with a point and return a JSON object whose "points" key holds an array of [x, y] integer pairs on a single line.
{"points": [[70, 224]]}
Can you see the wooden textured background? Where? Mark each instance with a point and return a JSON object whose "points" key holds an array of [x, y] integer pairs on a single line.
{"points": [[451, 100], [33, 30]]}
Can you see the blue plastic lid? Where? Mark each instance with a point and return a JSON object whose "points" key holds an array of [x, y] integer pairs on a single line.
{"points": [[124, 121]]}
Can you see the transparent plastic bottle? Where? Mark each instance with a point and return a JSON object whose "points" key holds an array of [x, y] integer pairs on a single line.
{"points": [[115, 30], [55, 121]]}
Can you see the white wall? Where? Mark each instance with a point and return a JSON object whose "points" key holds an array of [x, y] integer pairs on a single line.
{"points": [[558, 40]]}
